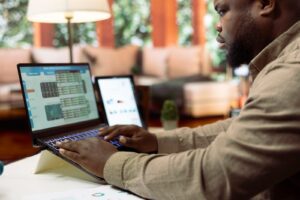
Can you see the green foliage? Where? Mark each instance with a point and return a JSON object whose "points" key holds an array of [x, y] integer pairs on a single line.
{"points": [[131, 26], [184, 17], [169, 110], [15, 30], [184, 20], [211, 20], [83, 33], [132, 22]]}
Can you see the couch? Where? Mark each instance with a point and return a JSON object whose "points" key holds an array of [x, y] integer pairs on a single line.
{"points": [[179, 73]]}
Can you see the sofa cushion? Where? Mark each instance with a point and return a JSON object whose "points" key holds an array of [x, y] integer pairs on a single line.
{"points": [[155, 62], [9, 60], [110, 61], [209, 98], [206, 62], [55, 55], [184, 61], [172, 89]]}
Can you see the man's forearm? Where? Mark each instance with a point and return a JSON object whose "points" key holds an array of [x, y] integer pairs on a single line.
{"points": [[183, 139], [154, 176]]}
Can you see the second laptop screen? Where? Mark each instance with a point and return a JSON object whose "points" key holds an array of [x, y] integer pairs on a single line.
{"points": [[119, 101]]}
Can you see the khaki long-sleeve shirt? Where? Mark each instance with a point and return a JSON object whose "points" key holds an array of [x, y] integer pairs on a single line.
{"points": [[233, 159]]}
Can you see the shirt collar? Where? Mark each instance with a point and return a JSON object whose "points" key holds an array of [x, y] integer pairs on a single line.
{"points": [[273, 50]]}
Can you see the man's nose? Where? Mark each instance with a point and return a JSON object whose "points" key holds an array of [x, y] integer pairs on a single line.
{"points": [[219, 27]]}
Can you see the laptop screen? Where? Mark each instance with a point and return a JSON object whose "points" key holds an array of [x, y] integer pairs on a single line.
{"points": [[118, 98], [58, 95]]}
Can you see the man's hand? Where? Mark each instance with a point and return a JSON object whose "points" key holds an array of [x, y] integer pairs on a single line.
{"points": [[131, 136], [91, 154]]}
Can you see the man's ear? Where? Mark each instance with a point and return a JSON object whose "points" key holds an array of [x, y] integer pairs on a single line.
{"points": [[267, 7]]}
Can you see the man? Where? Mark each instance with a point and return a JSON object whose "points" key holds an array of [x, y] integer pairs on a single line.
{"points": [[257, 152]]}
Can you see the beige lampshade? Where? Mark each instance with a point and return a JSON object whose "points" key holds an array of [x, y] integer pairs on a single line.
{"points": [[56, 11]]}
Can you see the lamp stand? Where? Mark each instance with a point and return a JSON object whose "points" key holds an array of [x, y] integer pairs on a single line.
{"points": [[70, 38]]}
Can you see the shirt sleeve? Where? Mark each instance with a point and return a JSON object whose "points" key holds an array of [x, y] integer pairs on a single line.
{"points": [[259, 149], [183, 139]]}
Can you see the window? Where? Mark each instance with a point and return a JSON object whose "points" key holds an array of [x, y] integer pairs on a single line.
{"points": [[15, 30], [132, 22], [211, 20], [184, 21], [83, 33]]}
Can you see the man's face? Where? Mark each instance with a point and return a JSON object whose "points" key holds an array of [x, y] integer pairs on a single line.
{"points": [[238, 33]]}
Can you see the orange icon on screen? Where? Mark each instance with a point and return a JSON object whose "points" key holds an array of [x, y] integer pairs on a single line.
{"points": [[30, 90]]}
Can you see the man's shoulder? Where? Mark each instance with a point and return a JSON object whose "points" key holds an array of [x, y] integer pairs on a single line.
{"points": [[288, 59], [282, 75], [291, 53]]}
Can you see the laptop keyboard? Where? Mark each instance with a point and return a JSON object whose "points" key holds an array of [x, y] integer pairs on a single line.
{"points": [[81, 136]]}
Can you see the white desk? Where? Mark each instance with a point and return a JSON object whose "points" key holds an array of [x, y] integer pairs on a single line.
{"points": [[18, 180]]}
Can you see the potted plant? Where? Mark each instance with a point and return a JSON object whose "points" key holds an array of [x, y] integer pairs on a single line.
{"points": [[169, 115]]}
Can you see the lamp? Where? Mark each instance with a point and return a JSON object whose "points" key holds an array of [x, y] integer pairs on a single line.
{"points": [[67, 11]]}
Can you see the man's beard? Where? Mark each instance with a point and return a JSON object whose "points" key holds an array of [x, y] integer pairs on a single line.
{"points": [[241, 51]]}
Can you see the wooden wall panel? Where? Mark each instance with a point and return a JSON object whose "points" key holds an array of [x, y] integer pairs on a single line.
{"points": [[199, 11], [105, 30], [43, 34], [164, 22]]}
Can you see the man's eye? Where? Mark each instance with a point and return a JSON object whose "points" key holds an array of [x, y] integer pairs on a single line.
{"points": [[222, 12]]}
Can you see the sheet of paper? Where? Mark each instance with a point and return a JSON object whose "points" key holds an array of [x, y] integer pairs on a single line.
{"points": [[105, 192], [50, 163]]}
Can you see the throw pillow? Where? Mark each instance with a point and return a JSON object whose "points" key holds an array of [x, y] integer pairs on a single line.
{"points": [[155, 61], [9, 60], [55, 55], [184, 61], [110, 61]]}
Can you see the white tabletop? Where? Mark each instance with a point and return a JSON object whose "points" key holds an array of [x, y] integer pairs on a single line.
{"points": [[45, 174], [19, 180]]}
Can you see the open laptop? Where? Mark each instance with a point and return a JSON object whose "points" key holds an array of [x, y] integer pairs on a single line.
{"points": [[118, 98], [60, 104]]}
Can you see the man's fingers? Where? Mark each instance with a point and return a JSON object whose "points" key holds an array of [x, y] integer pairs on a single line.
{"points": [[115, 131], [128, 142], [112, 134], [69, 154], [105, 131], [71, 146]]}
